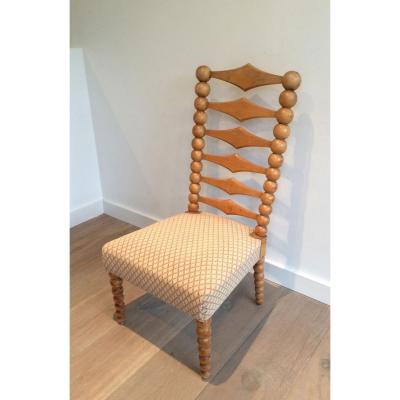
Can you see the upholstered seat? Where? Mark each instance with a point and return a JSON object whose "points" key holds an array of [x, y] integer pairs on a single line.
{"points": [[192, 261]]}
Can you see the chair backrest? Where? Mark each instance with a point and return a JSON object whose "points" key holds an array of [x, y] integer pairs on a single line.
{"points": [[246, 77]]}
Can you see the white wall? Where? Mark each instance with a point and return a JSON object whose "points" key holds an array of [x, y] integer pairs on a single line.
{"points": [[141, 58], [85, 189]]}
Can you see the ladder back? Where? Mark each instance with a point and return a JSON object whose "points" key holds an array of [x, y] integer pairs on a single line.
{"points": [[246, 77]]}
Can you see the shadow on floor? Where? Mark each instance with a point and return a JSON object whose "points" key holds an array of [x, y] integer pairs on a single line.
{"points": [[234, 327]]}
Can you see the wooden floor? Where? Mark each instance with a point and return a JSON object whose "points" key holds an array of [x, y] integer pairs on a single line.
{"points": [[279, 350]]}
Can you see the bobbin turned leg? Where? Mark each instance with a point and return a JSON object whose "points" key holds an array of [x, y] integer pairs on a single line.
{"points": [[203, 330], [259, 281], [118, 296]]}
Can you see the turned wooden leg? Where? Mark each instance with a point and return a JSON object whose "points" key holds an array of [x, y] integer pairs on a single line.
{"points": [[259, 281], [203, 330], [118, 295]]}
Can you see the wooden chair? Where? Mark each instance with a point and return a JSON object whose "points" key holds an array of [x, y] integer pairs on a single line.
{"points": [[194, 260]]}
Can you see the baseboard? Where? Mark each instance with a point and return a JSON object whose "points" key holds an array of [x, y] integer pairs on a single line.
{"points": [[298, 281], [85, 212], [295, 280], [127, 214]]}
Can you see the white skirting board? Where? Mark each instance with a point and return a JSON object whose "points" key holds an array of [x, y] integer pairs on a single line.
{"points": [[85, 212], [295, 280]]}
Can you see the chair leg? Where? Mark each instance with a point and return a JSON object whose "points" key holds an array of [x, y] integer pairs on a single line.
{"points": [[118, 295], [259, 281], [203, 330]]}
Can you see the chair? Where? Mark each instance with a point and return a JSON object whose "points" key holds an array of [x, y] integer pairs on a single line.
{"points": [[195, 259]]}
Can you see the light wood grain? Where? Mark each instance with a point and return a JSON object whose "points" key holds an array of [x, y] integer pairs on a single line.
{"points": [[228, 206], [242, 109], [278, 350], [235, 163], [231, 186], [239, 137], [247, 77]]}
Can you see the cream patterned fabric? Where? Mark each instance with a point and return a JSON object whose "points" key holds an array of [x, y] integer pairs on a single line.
{"points": [[192, 261]]}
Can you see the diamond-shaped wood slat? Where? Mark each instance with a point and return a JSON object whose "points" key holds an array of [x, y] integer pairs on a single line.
{"points": [[235, 163], [231, 186], [228, 206], [239, 137], [242, 109], [247, 77]]}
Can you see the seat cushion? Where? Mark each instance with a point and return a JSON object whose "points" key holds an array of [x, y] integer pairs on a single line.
{"points": [[192, 261]]}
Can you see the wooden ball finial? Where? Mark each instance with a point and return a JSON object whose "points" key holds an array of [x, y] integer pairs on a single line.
{"points": [[203, 73], [291, 80]]}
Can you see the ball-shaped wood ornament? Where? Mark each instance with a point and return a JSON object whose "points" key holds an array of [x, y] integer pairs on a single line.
{"points": [[193, 207], [272, 174], [288, 98], [267, 198], [203, 73], [200, 117], [198, 143], [196, 166], [270, 187], [194, 188], [202, 89], [195, 177], [260, 231], [262, 220], [264, 209], [201, 103], [284, 115], [291, 80], [196, 155], [278, 146], [199, 131], [281, 131], [275, 160], [193, 198]]}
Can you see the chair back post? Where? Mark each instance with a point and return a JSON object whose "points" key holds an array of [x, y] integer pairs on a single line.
{"points": [[202, 89]]}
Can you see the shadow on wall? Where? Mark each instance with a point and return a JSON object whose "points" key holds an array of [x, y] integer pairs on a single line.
{"points": [[117, 161], [285, 231]]}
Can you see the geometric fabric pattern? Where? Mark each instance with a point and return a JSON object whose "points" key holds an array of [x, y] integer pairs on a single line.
{"points": [[191, 261]]}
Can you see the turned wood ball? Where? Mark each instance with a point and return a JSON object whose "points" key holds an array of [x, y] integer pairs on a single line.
{"points": [[281, 131], [200, 117], [275, 160], [284, 115], [203, 73], [270, 187], [288, 98], [278, 146], [291, 80], [202, 89], [199, 130], [201, 103]]}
